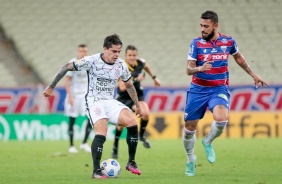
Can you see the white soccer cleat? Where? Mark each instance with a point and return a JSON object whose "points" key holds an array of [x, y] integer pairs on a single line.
{"points": [[73, 149], [85, 147]]}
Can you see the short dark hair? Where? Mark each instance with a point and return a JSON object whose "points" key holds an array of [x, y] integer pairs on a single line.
{"points": [[210, 15], [112, 40], [82, 45], [130, 47]]}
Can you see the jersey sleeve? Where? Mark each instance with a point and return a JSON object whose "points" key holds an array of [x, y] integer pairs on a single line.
{"points": [[125, 76], [234, 48], [193, 51], [83, 64]]}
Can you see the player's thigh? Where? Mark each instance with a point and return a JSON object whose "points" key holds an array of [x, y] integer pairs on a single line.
{"points": [[101, 127], [219, 105], [126, 118], [196, 106], [118, 113]]}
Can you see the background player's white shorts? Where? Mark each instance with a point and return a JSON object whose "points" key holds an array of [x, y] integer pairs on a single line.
{"points": [[109, 109], [79, 107]]}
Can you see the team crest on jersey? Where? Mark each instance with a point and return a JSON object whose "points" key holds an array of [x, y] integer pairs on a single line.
{"points": [[224, 40], [223, 48], [202, 41], [221, 95]]}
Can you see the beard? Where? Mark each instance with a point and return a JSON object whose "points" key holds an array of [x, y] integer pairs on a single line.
{"points": [[209, 36]]}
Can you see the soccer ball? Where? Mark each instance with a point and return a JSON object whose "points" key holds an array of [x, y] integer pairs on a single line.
{"points": [[110, 168]]}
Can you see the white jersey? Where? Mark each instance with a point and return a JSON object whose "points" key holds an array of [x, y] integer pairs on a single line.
{"points": [[102, 76], [79, 81]]}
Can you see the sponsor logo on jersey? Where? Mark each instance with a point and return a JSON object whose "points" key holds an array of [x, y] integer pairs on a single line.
{"points": [[191, 49], [224, 40], [213, 50]]}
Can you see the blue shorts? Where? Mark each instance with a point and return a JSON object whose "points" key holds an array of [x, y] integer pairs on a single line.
{"points": [[197, 103]]}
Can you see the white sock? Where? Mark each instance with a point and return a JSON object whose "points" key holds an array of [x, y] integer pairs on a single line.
{"points": [[216, 130], [189, 139]]}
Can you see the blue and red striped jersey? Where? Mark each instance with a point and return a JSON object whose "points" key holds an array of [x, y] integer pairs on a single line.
{"points": [[217, 51]]}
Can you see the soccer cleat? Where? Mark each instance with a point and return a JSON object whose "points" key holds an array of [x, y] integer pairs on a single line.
{"points": [[146, 143], [132, 166], [85, 147], [99, 175], [190, 167], [209, 151], [115, 153], [72, 149]]}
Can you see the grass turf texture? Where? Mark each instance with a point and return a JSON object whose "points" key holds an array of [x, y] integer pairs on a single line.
{"points": [[257, 161]]}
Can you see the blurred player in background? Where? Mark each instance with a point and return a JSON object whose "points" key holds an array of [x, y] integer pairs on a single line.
{"points": [[104, 70], [208, 63], [136, 67], [76, 88]]}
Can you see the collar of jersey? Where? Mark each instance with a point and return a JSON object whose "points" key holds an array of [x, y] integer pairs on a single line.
{"points": [[130, 67], [105, 61]]}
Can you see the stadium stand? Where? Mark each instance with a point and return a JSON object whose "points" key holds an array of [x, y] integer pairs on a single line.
{"points": [[47, 32]]}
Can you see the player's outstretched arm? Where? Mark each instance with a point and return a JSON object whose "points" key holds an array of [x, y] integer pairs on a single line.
{"points": [[192, 69], [133, 95], [67, 67], [240, 60], [157, 82]]}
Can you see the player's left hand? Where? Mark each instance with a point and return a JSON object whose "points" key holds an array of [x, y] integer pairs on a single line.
{"points": [[138, 112], [48, 91], [157, 82], [258, 80]]}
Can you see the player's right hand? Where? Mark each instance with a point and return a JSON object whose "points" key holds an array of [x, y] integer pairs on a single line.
{"points": [[48, 91], [138, 112], [71, 102], [206, 66]]}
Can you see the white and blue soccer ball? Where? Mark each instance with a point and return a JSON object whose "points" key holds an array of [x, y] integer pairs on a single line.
{"points": [[110, 168]]}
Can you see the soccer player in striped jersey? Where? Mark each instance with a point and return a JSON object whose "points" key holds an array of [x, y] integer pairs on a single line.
{"points": [[136, 67], [76, 88], [104, 70], [208, 65]]}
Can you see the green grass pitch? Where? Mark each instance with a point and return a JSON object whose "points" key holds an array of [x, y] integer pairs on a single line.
{"points": [[250, 161]]}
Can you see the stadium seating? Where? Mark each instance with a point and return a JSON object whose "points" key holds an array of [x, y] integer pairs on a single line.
{"points": [[47, 32]]}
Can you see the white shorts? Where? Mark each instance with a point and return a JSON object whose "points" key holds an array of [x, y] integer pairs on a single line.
{"points": [[78, 108], [109, 109]]}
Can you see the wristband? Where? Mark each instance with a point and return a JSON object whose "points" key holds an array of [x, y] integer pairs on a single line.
{"points": [[154, 77]]}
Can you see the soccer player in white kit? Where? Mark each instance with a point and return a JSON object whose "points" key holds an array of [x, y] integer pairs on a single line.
{"points": [[104, 70], [76, 88]]}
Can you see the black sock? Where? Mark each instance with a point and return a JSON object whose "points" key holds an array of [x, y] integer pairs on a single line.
{"points": [[70, 131], [118, 133], [143, 124], [132, 141], [97, 150], [87, 131]]}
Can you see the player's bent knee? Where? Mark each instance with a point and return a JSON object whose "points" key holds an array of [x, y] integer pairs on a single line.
{"points": [[191, 125], [145, 116], [101, 133]]}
